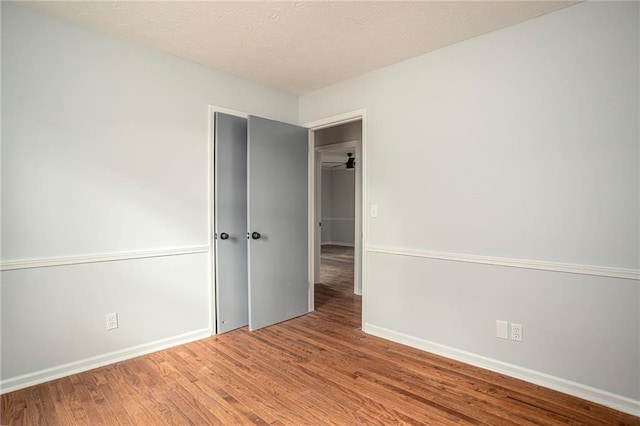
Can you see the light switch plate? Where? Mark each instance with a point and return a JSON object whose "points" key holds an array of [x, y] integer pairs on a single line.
{"points": [[374, 210], [502, 329]]}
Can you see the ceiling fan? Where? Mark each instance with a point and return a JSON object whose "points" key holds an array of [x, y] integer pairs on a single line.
{"points": [[348, 165]]}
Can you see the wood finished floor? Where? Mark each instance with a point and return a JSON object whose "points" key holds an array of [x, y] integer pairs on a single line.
{"points": [[314, 370]]}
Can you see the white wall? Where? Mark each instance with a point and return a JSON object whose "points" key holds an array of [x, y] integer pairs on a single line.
{"points": [[519, 144], [338, 206], [325, 206], [104, 152]]}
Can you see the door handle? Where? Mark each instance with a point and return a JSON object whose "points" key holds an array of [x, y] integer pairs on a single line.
{"points": [[256, 235], [224, 236]]}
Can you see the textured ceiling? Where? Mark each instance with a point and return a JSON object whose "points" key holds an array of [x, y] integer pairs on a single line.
{"points": [[297, 46]]}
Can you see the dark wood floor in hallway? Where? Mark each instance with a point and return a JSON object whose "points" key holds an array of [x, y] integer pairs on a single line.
{"points": [[314, 370]]}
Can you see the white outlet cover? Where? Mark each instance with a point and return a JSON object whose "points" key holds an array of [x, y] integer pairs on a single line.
{"points": [[112, 320], [516, 332], [502, 329]]}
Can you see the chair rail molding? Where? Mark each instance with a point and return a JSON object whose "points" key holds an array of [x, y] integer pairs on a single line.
{"points": [[107, 257], [602, 271]]}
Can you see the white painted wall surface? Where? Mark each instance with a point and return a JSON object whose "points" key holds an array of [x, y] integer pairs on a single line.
{"points": [[86, 117], [52, 316], [343, 193], [338, 206], [104, 150], [325, 206], [523, 144]]}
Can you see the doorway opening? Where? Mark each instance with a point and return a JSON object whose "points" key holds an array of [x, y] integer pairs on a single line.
{"points": [[337, 205]]}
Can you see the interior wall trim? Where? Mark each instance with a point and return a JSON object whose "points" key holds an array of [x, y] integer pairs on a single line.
{"points": [[48, 374], [108, 257], [602, 271], [337, 243], [599, 396]]}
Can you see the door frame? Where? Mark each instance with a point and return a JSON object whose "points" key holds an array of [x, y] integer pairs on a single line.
{"points": [[213, 271], [313, 126]]}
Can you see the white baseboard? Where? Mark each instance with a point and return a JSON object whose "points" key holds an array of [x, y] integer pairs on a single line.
{"points": [[598, 396], [337, 243], [42, 376]]}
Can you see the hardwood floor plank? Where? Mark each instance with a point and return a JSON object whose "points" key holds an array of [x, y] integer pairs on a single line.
{"points": [[35, 414], [182, 385], [12, 411], [361, 366], [200, 401], [70, 399], [100, 402], [103, 385], [319, 369], [450, 385], [392, 406], [226, 406], [84, 399], [164, 399], [139, 408], [451, 366], [56, 402], [516, 391], [285, 376], [325, 392], [254, 391], [344, 372]]}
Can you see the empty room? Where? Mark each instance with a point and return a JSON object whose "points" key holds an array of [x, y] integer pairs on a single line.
{"points": [[320, 212]]}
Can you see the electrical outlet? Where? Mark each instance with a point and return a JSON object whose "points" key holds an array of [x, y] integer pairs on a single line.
{"points": [[112, 320], [502, 329], [516, 332]]}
